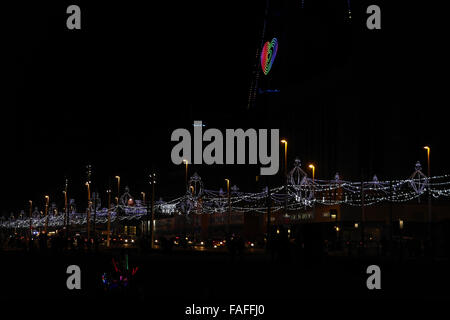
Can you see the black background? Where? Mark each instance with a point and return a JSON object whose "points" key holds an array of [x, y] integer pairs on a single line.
{"points": [[352, 100]]}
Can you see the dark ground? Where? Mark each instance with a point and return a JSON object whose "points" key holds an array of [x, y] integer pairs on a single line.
{"points": [[168, 282]]}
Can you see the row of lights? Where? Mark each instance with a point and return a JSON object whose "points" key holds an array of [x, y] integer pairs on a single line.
{"points": [[283, 141]]}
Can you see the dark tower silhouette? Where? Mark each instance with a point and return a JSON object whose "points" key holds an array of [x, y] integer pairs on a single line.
{"points": [[309, 91]]}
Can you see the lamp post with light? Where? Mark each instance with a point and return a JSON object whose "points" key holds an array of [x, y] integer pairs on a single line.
{"points": [[47, 199], [186, 173], [284, 141], [66, 209], [31, 224], [88, 220], [108, 227], [118, 189], [429, 192], [143, 197], [313, 169], [152, 181]]}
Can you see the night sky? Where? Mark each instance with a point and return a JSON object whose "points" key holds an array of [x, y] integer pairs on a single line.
{"points": [[352, 100]]}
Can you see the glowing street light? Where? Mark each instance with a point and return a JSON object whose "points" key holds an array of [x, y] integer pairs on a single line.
{"points": [[47, 199], [429, 193], [428, 158], [284, 141], [31, 226], [88, 222], [118, 189], [186, 172], [108, 226], [313, 168]]}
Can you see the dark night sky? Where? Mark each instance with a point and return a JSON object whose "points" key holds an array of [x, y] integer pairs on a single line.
{"points": [[351, 99]]}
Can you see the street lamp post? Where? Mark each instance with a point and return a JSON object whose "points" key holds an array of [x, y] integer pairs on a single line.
{"points": [[118, 189], [108, 236], [186, 173], [66, 209], [95, 213], [363, 217], [429, 191], [31, 225], [152, 233], [143, 197], [47, 199], [145, 224], [88, 184], [115, 228], [284, 141], [391, 229], [88, 220], [313, 168]]}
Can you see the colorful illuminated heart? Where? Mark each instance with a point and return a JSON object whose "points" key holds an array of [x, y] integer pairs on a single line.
{"points": [[268, 54]]}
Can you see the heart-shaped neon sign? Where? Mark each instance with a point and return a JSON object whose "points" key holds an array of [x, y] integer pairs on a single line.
{"points": [[268, 54]]}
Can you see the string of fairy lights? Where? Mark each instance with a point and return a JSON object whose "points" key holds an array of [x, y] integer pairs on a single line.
{"points": [[300, 194]]}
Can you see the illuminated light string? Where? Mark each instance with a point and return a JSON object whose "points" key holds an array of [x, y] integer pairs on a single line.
{"points": [[132, 213], [326, 192]]}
